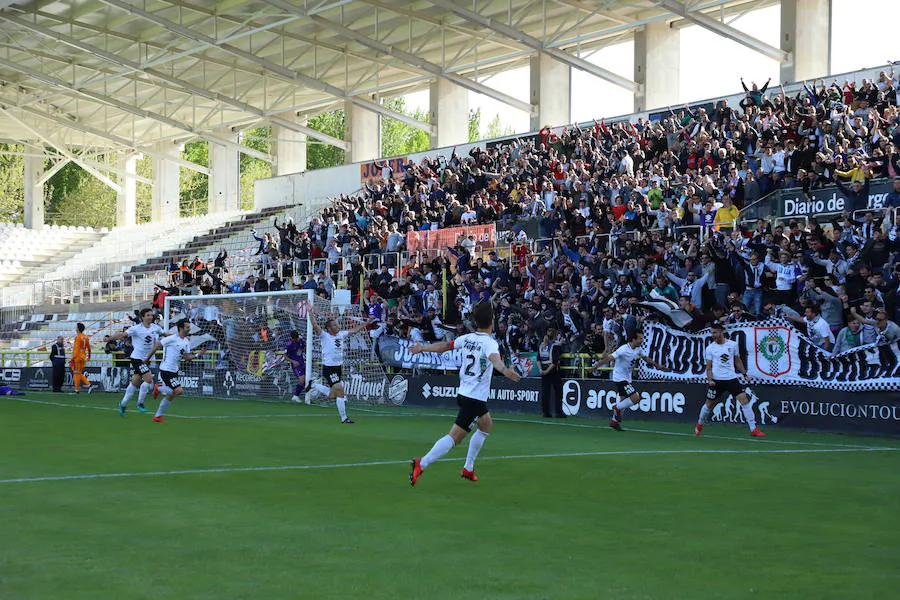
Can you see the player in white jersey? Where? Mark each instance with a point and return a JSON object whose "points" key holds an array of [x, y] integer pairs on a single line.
{"points": [[723, 363], [333, 340], [480, 356], [625, 357], [144, 337], [176, 348]]}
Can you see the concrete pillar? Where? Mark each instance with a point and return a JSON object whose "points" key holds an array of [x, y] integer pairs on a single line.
{"points": [[363, 130], [224, 186], [290, 149], [806, 34], [34, 190], [551, 91], [166, 192], [126, 200], [657, 66], [449, 113]]}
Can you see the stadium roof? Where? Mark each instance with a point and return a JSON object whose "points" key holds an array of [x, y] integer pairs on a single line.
{"points": [[129, 73]]}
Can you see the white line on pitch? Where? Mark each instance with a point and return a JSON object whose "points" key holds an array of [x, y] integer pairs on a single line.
{"points": [[376, 463]]}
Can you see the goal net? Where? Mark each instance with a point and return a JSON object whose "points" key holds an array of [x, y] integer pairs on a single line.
{"points": [[246, 335]]}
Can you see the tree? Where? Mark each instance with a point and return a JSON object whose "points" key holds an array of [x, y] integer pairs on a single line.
{"points": [[65, 183], [252, 168], [144, 194], [496, 129], [321, 155], [399, 138], [194, 187], [474, 125], [12, 183]]}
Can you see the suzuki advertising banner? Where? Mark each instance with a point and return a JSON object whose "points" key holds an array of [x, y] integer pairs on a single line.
{"points": [[773, 353], [773, 406]]}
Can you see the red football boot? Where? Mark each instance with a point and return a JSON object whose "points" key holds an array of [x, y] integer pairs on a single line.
{"points": [[470, 475], [416, 471]]}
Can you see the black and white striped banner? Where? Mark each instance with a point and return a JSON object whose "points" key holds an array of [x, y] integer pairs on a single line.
{"points": [[774, 353]]}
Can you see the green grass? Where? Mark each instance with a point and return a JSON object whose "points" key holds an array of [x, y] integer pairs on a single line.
{"points": [[641, 514]]}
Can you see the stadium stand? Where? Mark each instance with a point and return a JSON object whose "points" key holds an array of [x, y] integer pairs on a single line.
{"points": [[234, 237], [30, 253], [124, 246], [612, 223], [617, 205]]}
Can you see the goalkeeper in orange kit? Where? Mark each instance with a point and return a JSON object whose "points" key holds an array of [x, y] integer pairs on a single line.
{"points": [[81, 353]]}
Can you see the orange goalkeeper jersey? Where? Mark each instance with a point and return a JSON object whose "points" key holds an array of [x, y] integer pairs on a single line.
{"points": [[82, 347]]}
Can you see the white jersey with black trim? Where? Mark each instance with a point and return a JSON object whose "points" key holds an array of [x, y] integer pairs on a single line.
{"points": [[722, 357], [476, 369], [174, 347], [143, 339], [333, 348], [625, 356]]}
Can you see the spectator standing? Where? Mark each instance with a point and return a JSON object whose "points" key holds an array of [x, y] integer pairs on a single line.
{"points": [[549, 361], [58, 361], [849, 337]]}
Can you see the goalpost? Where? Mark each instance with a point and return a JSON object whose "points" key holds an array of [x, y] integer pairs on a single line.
{"points": [[246, 334]]}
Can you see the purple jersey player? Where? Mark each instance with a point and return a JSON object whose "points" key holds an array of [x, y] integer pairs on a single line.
{"points": [[294, 353]]}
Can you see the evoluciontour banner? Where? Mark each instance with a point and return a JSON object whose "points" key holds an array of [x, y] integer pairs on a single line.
{"points": [[774, 353]]}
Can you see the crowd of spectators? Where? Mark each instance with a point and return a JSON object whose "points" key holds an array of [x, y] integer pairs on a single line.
{"points": [[628, 213]]}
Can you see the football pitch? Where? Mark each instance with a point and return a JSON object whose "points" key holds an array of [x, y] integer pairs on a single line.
{"points": [[234, 499]]}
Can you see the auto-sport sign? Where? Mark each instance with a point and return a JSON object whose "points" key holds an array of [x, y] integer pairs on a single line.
{"points": [[773, 406], [773, 353]]}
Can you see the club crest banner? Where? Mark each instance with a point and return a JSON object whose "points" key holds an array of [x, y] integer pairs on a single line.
{"points": [[774, 353]]}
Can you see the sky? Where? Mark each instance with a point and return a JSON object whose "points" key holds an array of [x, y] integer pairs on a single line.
{"points": [[729, 59]]}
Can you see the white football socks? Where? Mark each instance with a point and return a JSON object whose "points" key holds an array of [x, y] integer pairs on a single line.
{"points": [[146, 388], [748, 414], [438, 451], [475, 444], [163, 404], [704, 415], [325, 391], [623, 404], [342, 407], [130, 391]]}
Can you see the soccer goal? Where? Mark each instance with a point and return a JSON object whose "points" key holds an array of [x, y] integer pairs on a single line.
{"points": [[246, 334]]}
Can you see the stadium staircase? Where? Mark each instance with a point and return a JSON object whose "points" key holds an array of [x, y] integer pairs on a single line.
{"points": [[123, 247], [234, 236]]}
